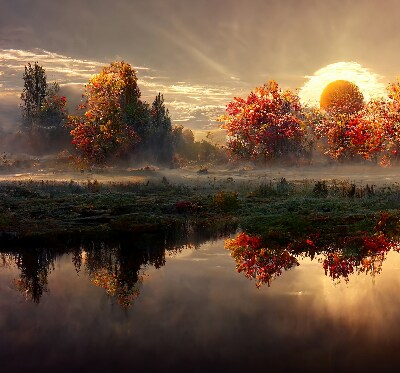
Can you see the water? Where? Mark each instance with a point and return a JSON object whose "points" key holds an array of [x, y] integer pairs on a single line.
{"points": [[107, 309]]}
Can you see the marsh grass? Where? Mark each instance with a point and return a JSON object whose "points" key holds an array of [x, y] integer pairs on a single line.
{"points": [[275, 208]]}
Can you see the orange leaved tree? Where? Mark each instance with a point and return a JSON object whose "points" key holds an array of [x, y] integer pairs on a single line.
{"points": [[103, 132]]}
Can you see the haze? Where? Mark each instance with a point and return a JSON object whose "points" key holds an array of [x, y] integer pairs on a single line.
{"points": [[198, 54]]}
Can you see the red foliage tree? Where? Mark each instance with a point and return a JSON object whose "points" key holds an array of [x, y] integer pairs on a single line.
{"points": [[348, 136], [389, 112], [268, 124]]}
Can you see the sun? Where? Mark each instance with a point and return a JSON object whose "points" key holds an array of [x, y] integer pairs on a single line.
{"points": [[341, 96], [369, 83]]}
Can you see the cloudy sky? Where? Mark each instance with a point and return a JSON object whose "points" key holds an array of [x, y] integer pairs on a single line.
{"points": [[199, 54]]}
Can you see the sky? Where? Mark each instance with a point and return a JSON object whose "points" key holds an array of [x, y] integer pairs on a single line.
{"points": [[199, 54]]}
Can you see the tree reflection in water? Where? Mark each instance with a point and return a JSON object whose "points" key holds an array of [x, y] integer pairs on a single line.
{"points": [[257, 261], [35, 266], [118, 266], [118, 269], [361, 252]]}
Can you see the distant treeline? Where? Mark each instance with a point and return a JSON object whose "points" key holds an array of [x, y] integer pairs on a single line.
{"points": [[115, 125]]}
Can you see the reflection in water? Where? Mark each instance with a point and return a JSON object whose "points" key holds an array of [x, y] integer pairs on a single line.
{"points": [[363, 254], [35, 266], [119, 270], [257, 261], [340, 256], [197, 314], [117, 267]]}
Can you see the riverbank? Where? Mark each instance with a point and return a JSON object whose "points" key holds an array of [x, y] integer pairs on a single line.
{"points": [[56, 211]]}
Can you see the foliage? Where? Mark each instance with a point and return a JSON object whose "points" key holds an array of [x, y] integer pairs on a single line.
{"points": [[268, 124], [43, 113], [186, 149], [117, 123], [52, 113], [346, 136], [42, 104], [111, 99], [388, 112], [160, 118], [258, 262], [271, 124], [159, 137], [226, 201], [371, 133], [33, 94]]}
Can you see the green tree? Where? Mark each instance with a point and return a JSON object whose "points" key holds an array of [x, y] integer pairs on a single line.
{"points": [[52, 111], [33, 94], [160, 118], [43, 113], [161, 130]]}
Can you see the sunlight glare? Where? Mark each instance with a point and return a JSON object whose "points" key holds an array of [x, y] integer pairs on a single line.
{"points": [[369, 83]]}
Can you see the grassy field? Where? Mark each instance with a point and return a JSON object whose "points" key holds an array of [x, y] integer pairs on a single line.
{"points": [[146, 201]]}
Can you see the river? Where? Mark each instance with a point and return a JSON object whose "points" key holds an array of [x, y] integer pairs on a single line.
{"points": [[108, 308]]}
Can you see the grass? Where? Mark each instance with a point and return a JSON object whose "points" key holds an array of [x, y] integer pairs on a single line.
{"points": [[52, 210]]}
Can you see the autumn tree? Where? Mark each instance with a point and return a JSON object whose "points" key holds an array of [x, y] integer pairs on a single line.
{"points": [[389, 113], [268, 124], [107, 128], [349, 128]]}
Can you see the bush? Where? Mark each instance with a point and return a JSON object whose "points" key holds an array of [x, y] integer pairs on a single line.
{"points": [[226, 201]]}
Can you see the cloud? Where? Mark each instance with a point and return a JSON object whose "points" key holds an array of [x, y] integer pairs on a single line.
{"points": [[64, 69], [9, 111], [193, 105], [370, 84]]}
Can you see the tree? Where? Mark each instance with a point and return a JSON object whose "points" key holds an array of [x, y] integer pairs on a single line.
{"points": [[161, 130], [268, 124], [107, 128], [52, 112], [350, 129], [389, 113], [160, 119], [43, 112], [352, 136], [33, 94]]}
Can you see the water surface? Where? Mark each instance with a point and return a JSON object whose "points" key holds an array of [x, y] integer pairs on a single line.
{"points": [[108, 309]]}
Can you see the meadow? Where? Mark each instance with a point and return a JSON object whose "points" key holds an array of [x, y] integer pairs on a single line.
{"points": [[275, 203]]}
